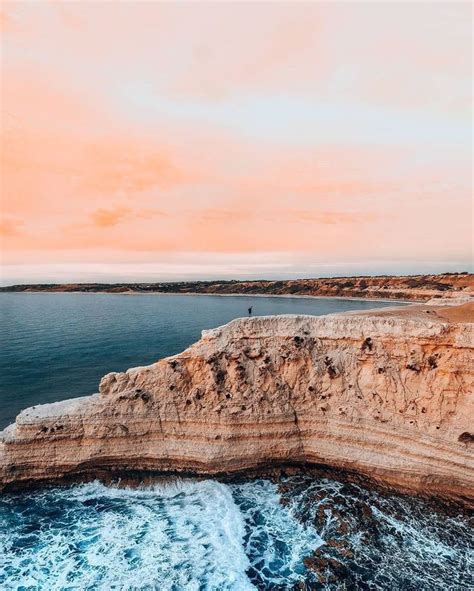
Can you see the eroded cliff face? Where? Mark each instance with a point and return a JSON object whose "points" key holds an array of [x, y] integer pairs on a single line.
{"points": [[389, 395]]}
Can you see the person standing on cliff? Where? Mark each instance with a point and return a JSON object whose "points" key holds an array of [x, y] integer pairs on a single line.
{"points": [[250, 310]]}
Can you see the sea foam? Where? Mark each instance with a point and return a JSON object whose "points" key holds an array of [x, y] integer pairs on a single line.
{"points": [[187, 535], [204, 535]]}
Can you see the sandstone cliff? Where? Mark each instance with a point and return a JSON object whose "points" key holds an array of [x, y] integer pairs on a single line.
{"points": [[388, 394], [413, 287]]}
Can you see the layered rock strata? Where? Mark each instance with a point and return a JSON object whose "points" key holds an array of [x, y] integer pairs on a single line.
{"points": [[388, 394]]}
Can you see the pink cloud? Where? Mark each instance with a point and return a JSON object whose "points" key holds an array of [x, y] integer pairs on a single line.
{"points": [[121, 130]]}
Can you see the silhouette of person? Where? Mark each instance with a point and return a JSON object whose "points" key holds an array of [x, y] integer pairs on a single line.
{"points": [[250, 311]]}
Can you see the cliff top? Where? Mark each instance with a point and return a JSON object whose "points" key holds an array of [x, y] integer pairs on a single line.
{"points": [[435, 313]]}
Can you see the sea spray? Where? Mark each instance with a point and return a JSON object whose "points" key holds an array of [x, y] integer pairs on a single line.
{"points": [[275, 541], [186, 535], [190, 535]]}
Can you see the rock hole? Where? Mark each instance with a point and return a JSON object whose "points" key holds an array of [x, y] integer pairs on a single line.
{"points": [[330, 367]]}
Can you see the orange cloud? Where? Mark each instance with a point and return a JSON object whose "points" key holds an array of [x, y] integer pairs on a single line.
{"points": [[11, 227], [128, 166], [109, 217]]}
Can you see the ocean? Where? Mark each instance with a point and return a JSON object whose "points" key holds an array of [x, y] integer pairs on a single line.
{"points": [[295, 532]]}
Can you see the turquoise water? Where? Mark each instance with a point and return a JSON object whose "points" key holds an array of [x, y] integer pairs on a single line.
{"points": [[300, 532]]}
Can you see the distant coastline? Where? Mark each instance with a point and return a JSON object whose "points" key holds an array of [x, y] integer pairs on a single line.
{"points": [[410, 288]]}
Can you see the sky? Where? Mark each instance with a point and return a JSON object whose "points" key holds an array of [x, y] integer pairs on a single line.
{"points": [[148, 141]]}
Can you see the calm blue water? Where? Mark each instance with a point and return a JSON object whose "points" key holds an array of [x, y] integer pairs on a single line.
{"points": [[300, 532], [57, 346]]}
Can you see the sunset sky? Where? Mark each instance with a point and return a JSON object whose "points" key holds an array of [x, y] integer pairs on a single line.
{"points": [[164, 141]]}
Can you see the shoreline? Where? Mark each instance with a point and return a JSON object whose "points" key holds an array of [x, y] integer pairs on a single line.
{"points": [[274, 471]]}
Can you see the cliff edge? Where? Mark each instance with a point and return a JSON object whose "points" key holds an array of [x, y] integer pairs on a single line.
{"points": [[389, 394]]}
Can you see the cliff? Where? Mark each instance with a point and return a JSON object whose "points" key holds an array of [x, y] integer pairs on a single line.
{"points": [[413, 287], [388, 394]]}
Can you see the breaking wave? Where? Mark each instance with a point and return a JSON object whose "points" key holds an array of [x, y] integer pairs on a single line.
{"points": [[204, 535], [189, 535]]}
